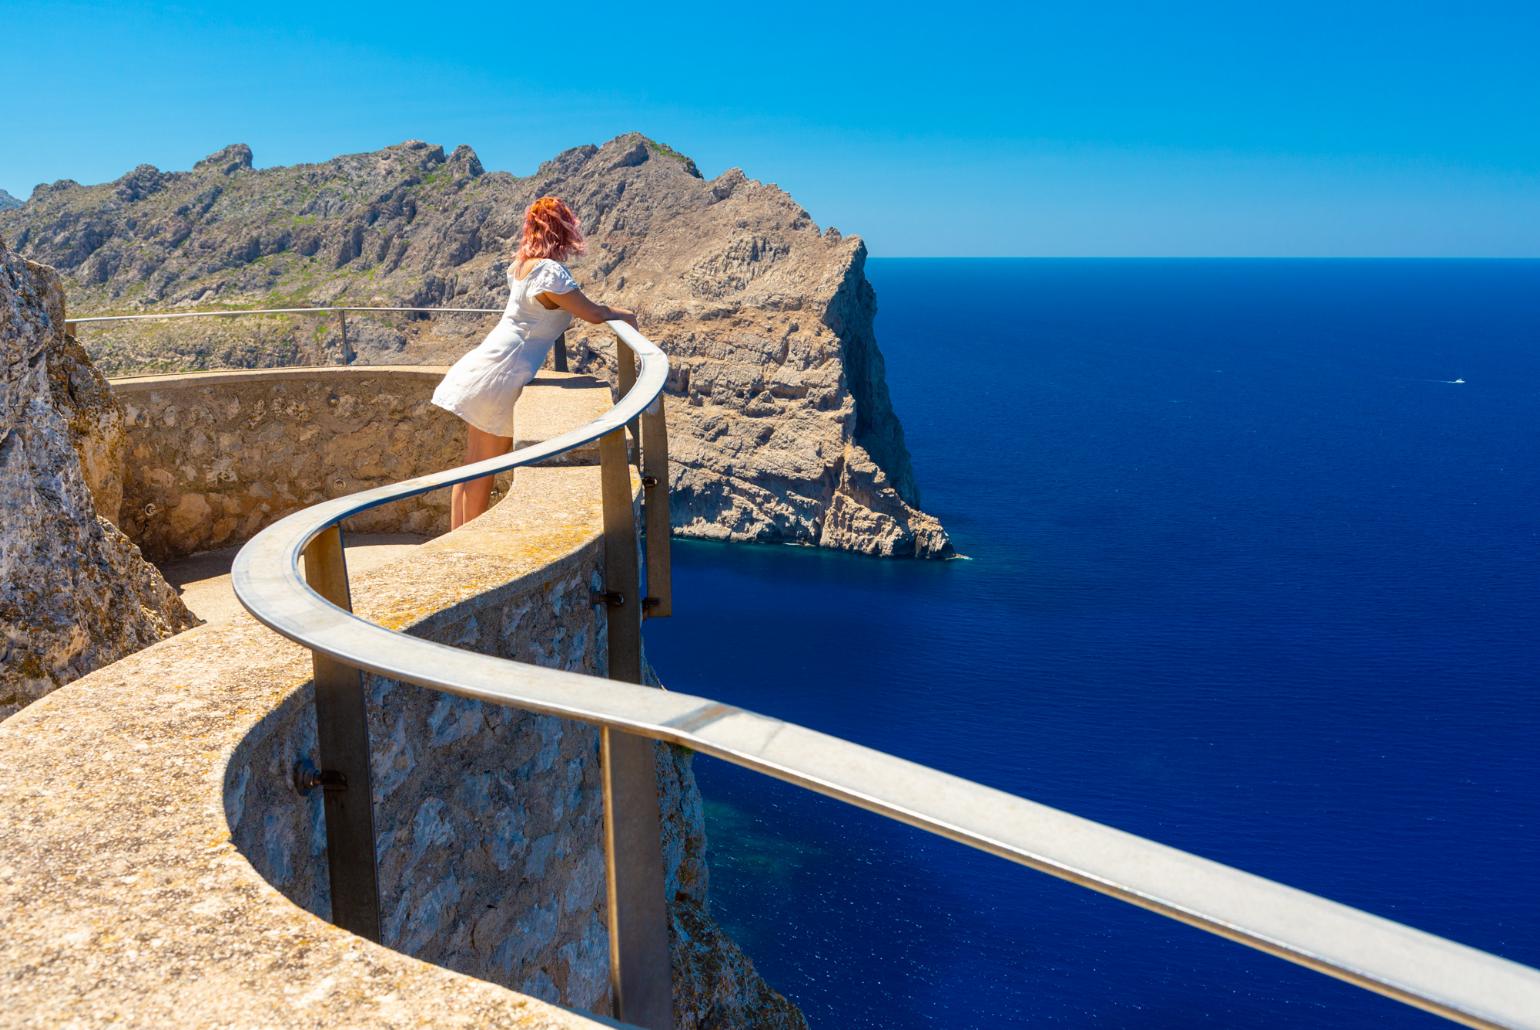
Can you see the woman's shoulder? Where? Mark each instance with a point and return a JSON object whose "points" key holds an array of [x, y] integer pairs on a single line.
{"points": [[548, 275], [538, 266]]}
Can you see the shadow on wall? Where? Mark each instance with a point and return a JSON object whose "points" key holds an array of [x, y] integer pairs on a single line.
{"points": [[487, 819]]}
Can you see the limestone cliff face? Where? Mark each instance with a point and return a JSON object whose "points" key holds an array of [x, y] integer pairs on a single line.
{"points": [[74, 592], [783, 430], [82, 395], [782, 427]]}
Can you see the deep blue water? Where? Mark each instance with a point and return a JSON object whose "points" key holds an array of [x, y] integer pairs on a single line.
{"points": [[1249, 577]]}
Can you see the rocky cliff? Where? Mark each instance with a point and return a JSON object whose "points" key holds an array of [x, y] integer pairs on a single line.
{"points": [[7, 201], [782, 427], [75, 594]]}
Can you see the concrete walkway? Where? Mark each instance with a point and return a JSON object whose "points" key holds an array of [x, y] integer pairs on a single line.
{"points": [[203, 580]]}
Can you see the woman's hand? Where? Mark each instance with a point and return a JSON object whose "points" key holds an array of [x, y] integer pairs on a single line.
{"points": [[625, 315]]}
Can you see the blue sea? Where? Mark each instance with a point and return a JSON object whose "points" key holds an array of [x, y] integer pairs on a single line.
{"points": [[1251, 574]]}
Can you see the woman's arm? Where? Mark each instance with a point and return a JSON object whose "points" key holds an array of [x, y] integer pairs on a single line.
{"points": [[580, 306]]}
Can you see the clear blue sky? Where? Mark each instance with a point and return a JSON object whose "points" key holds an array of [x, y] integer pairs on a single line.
{"points": [[1367, 128]]}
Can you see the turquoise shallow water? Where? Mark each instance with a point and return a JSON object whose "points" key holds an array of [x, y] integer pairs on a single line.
{"points": [[1251, 576]]}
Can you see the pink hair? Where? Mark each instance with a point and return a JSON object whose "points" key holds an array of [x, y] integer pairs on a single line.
{"points": [[551, 230]]}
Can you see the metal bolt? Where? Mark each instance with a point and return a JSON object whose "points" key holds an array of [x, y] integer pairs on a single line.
{"points": [[307, 778], [613, 598]]}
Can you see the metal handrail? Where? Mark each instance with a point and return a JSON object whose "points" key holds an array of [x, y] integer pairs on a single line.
{"points": [[340, 310], [277, 311], [1449, 979]]}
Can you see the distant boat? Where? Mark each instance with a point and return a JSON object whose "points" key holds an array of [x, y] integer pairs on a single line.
{"points": [[1453, 382]]}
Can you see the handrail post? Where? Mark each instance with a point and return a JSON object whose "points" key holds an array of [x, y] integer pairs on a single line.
{"points": [[641, 980], [625, 378], [342, 740], [342, 322], [559, 353], [659, 601]]}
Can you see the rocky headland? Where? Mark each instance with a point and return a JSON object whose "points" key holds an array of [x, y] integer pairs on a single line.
{"points": [[782, 429], [75, 593]]}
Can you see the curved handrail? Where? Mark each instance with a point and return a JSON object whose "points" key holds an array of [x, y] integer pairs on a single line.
{"points": [[1429, 972]]}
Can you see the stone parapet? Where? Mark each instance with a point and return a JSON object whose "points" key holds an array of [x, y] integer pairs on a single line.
{"points": [[158, 866], [213, 457]]}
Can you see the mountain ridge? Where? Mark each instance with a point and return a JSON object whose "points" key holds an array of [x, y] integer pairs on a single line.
{"points": [[784, 430]]}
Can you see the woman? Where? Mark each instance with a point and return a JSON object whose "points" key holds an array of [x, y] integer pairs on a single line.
{"points": [[542, 299]]}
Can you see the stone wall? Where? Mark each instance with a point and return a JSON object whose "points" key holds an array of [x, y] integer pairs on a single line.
{"points": [[214, 457], [160, 866], [127, 899], [488, 819]]}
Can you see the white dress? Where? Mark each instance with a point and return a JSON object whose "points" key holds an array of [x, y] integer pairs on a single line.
{"points": [[484, 384]]}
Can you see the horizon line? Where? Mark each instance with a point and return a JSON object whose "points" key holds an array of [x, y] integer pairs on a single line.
{"points": [[1202, 257]]}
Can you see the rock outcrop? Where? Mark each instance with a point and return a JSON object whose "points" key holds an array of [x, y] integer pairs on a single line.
{"points": [[82, 395], [75, 594], [782, 427], [716, 986], [7, 201]]}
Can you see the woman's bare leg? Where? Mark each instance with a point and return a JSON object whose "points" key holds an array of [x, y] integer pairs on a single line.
{"points": [[468, 500]]}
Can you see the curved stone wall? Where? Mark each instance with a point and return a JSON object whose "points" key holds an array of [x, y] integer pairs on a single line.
{"points": [[158, 867], [151, 830], [488, 820], [213, 457]]}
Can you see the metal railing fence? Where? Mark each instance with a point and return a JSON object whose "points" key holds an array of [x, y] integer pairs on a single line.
{"points": [[558, 352], [313, 609]]}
